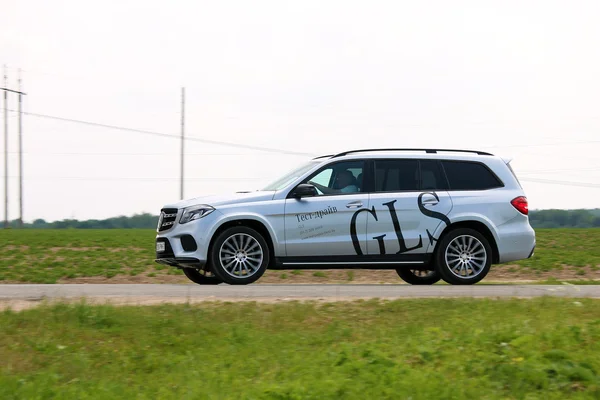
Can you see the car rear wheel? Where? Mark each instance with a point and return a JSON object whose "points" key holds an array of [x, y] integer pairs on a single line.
{"points": [[239, 255], [201, 277], [463, 257], [418, 277]]}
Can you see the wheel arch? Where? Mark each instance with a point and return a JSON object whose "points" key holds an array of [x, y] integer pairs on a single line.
{"points": [[255, 224], [480, 227]]}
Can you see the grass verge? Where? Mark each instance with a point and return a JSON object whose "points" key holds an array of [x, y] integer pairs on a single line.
{"points": [[47, 256], [421, 349]]}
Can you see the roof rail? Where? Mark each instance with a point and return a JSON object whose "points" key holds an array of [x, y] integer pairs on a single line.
{"points": [[325, 156], [431, 151]]}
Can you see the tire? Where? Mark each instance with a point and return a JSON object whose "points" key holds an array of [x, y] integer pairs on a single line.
{"points": [[239, 255], [463, 257], [416, 277], [198, 277]]}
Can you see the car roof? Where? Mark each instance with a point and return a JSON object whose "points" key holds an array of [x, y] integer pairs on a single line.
{"points": [[472, 155]]}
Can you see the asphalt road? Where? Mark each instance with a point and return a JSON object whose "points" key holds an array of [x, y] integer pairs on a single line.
{"points": [[286, 292]]}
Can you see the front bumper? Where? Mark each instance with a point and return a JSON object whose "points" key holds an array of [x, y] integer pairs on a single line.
{"points": [[181, 262], [167, 257], [186, 245]]}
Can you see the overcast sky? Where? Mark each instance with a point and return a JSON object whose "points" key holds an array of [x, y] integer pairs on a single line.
{"points": [[516, 78]]}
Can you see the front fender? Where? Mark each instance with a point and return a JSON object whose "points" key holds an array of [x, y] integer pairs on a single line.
{"points": [[223, 219]]}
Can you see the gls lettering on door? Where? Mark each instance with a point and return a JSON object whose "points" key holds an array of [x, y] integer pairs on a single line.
{"points": [[397, 226]]}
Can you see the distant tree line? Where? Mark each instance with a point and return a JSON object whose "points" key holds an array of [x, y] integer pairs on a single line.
{"points": [[538, 219], [565, 218], [137, 221]]}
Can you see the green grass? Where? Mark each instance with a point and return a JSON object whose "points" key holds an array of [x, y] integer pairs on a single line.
{"points": [[320, 274], [46, 256], [544, 348], [559, 247]]}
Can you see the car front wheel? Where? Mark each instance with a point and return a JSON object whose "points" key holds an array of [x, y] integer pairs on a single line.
{"points": [[239, 255], [463, 257]]}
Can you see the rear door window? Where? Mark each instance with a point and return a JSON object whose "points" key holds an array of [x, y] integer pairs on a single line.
{"points": [[465, 175], [396, 175], [432, 176]]}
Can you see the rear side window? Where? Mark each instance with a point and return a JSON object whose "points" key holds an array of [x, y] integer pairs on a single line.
{"points": [[403, 175], [463, 175], [396, 175]]}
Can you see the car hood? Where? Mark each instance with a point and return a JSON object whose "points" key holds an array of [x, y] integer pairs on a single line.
{"points": [[225, 199]]}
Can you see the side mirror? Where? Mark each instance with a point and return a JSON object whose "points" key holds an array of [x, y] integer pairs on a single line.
{"points": [[304, 190]]}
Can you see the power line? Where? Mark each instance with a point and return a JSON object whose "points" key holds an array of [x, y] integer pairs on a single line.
{"points": [[547, 171], [169, 135], [122, 178], [143, 154], [154, 179], [541, 144], [562, 183], [259, 148]]}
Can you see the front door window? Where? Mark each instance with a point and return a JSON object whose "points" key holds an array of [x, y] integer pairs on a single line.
{"points": [[339, 178]]}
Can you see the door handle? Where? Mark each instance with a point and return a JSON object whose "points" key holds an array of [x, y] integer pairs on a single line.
{"points": [[431, 202], [354, 204]]}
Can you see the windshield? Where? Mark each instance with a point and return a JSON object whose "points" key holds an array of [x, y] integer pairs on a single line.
{"points": [[291, 176]]}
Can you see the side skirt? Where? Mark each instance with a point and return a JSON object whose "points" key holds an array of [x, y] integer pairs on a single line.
{"points": [[413, 261]]}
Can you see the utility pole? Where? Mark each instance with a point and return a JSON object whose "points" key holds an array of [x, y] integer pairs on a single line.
{"points": [[5, 89], [182, 141], [20, 152], [5, 149]]}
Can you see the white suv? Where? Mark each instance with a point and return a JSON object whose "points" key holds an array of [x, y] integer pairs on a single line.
{"points": [[426, 213]]}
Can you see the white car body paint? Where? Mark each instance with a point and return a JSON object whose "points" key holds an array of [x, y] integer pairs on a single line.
{"points": [[316, 230]]}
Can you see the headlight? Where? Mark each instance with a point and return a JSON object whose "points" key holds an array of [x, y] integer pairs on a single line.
{"points": [[195, 212]]}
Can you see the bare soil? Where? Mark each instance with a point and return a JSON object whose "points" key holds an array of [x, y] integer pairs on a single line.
{"points": [[141, 278], [498, 273], [20, 305], [112, 250]]}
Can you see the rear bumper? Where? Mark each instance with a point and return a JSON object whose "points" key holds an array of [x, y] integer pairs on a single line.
{"points": [[532, 251], [516, 241]]}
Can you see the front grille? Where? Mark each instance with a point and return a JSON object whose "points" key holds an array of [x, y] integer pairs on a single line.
{"points": [[167, 219]]}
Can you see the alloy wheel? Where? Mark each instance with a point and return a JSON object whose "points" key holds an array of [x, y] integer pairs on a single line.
{"points": [[241, 255], [465, 256]]}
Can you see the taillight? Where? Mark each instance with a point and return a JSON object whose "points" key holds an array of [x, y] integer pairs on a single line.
{"points": [[520, 203]]}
